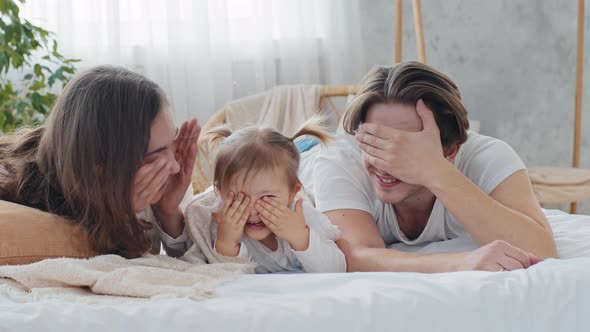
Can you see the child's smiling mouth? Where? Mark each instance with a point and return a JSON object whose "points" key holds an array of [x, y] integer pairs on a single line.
{"points": [[255, 225]]}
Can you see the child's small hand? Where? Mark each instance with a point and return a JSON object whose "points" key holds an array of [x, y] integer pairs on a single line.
{"points": [[284, 223], [230, 224]]}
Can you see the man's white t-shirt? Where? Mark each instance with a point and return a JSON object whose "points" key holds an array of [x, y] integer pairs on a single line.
{"points": [[336, 179]]}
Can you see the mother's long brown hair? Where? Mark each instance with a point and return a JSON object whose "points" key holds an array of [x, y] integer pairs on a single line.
{"points": [[82, 162]]}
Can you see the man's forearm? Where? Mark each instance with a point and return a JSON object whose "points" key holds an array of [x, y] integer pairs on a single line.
{"points": [[486, 219], [383, 259]]}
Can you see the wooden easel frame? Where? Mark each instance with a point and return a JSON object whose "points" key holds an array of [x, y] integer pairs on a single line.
{"points": [[418, 26], [579, 92]]}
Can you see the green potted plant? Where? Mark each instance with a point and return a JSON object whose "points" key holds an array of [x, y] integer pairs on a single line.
{"points": [[31, 69]]}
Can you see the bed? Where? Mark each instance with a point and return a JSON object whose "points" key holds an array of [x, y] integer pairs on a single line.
{"points": [[551, 296]]}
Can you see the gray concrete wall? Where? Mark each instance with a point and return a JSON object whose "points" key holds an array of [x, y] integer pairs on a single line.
{"points": [[514, 61]]}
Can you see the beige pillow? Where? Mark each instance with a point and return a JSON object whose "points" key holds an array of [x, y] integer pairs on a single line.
{"points": [[29, 235]]}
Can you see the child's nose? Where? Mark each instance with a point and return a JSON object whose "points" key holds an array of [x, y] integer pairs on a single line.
{"points": [[253, 217]]}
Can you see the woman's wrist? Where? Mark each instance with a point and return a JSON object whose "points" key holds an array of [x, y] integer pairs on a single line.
{"points": [[171, 222]]}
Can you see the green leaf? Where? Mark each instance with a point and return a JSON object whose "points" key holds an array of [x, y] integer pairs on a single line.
{"points": [[57, 75], [3, 61], [28, 76], [4, 6], [68, 70], [43, 33], [38, 70], [18, 61], [48, 99], [36, 100], [51, 80], [21, 106], [38, 85], [9, 118], [44, 109], [8, 32], [8, 89], [28, 31], [15, 9], [2, 120], [18, 34]]}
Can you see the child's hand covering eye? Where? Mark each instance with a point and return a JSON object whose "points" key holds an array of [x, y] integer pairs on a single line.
{"points": [[284, 223], [230, 224]]}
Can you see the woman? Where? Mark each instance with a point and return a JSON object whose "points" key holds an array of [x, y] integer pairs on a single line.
{"points": [[407, 170], [110, 158]]}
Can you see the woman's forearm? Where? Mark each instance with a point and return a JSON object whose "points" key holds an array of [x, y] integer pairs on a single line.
{"points": [[485, 218]]}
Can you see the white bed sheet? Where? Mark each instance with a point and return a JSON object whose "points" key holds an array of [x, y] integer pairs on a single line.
{"points": [[551, 296]]}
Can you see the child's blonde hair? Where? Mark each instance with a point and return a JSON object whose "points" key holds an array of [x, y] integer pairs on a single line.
{"points": [[254, 149]]}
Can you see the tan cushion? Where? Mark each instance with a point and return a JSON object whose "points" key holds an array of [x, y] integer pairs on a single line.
{"points": [[29, 235], [560, 185]]}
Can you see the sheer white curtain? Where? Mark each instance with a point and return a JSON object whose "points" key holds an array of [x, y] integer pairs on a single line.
{"points": [[207, 52]]}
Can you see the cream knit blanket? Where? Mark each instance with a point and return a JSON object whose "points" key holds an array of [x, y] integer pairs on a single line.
{"points": [[83, 280]]}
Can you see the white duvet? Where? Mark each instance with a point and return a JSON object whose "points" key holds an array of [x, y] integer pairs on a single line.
{"points": [[551, 296]]}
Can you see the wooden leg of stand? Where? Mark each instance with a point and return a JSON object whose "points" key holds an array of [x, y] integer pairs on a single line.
{"points": [[573, 208], [398, 31], [419, 31]]}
